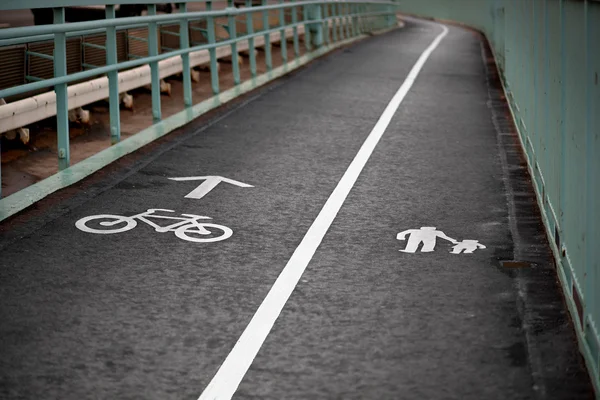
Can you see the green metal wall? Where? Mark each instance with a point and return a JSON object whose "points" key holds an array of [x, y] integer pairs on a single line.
{"points": [[548, 52]]}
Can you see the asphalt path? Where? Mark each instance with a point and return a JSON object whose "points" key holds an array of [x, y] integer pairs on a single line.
{"points": [[145, 314]]}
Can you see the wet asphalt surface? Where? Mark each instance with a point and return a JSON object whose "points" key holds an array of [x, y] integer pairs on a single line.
{"points": [[146, 315]]}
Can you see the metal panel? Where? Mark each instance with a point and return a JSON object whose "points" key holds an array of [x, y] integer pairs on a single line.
{"points": [[137, 43], [94, 56], [13, 66], [169, 38], [43, 68]]}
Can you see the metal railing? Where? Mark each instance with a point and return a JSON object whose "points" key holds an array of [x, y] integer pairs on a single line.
{"points": [[548, 54], [316, 19]]}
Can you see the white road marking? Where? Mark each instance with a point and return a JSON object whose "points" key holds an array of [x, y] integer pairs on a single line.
{"points": [[468, 245], [229, 376], [187, 227], [210, 182], [427, 236]]}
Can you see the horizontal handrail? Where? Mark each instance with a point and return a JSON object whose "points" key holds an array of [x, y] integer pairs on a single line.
{"points": [[34, 86], [11, 33], [22, 4], [32, 109]]}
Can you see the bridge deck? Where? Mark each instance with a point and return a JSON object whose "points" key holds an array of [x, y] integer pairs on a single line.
{"points": [[153, 315]]}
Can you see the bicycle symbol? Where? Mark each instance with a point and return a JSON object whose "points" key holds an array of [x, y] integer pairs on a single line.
{"points": [[189, 228]]}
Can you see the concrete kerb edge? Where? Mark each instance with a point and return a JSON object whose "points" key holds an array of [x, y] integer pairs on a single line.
{"points": [[24, 198], [584, 348]]}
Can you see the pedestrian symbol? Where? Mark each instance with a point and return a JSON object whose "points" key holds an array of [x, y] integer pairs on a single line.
{"points": [[427, 235]]}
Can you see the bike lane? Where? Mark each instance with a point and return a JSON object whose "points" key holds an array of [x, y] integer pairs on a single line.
{"points": [[145, 314]]}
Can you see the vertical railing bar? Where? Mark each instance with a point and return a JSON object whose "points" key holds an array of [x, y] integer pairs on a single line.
{"points": [[339, 14], [184, 43], [235, 65], [214, 66], [154, 71], [334, 22], [282, 39], [267, 36], [343, 20], [113, 78], [326, 23], [358, 18], [374, 9], [62, 99], [347, 11], [318, 26], [307, 34], [345, 17], [295, 29], [353, 19], [250, 30]]}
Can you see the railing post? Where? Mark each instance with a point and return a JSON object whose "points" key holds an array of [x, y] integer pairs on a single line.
{"points": [[113, 78], [341, 20], [334, 22], [214, 66], [326, 37], [62, 99], [315, 28], [363, 19], [154, 71], [268, 59], [347, 18], [296, 40], [307, 36], [282, 38], [233, 35], [250, 30], [184, 43], [353, 20], [391, 16]]}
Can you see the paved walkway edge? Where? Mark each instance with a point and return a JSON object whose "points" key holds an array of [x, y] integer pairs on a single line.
{"points": [[588, 342], [24, 198], [589, 350]]}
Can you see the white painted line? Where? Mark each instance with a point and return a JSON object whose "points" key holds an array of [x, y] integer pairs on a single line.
{"points": [[229, 376], [210, 182]]}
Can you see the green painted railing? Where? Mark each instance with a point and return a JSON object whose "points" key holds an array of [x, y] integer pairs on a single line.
{"points": [[548, 53], [326, 24]]}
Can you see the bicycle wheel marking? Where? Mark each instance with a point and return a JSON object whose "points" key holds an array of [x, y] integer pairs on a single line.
{"points": [[117, 220]]}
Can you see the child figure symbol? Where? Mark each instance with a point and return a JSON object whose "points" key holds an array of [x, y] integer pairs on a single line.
{"points": [[469, 246]]}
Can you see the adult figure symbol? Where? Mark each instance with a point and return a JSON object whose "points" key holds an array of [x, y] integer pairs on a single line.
{"points": [[426, 236]]}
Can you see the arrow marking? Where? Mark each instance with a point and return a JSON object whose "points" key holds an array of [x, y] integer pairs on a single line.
{"points": [[210, 182]]}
